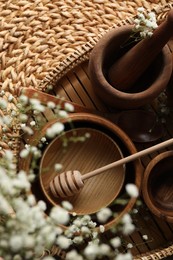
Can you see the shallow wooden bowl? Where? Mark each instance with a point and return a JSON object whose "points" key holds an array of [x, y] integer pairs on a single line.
{"points": [[157, 187], [96, 151], [133, 170], [113, 137]]}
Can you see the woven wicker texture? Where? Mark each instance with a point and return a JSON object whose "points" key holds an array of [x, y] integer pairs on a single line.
{"points": [[36, 35]]}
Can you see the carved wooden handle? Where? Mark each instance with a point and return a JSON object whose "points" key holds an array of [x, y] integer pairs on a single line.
{"points": [[128, 159]]}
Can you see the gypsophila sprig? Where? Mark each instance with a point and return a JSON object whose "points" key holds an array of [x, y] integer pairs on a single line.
{"points": [[145, 23], [26, 230]]}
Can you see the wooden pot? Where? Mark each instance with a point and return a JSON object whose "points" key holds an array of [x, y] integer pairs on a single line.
{"points": [[152, 82], [157, 186]]}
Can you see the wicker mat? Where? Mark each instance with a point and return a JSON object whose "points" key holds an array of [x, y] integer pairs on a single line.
{"points": [[39, 38], [35, 35]]}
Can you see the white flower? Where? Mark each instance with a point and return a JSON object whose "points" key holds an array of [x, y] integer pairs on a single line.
{"points": [[128, 228], [126, 256], [115, 242], [73, 255], [78, 239], [63, 114], [51, 104], [104, 249], [102, 228], [132, 190], [126, 219], [48, 258], [24, 153], [91, 251], [33, 123], [21, 182], [42, 205], [63, 242], [36, 105], [43, 139], [10, 97], [5, 207], [23, 99], [2, 93], [85, 230], [16, 243], [3, 103], [104, 214], [145, 237], [69, 107], [59, 215], [27, 129], [29, 242], [145, 23], [8, 155], [140, 9], [31, 200], [129, 245], [54, 130], [58, 167], [67, 205], [7, 120]]}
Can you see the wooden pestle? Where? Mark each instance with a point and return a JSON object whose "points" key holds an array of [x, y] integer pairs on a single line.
{"points": [[128, 68]]}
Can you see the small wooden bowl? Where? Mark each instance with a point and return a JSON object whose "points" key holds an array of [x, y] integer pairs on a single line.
{"points": [[96, 151], [157, 186]]}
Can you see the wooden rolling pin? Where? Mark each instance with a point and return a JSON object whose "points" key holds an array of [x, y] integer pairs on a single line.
{"points": [[128, 68]]}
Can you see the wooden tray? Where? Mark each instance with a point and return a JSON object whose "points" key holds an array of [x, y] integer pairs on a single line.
{"points": [[75, 86]]}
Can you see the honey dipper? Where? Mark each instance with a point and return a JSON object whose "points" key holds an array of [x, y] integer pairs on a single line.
{"points": [[69, 183]]}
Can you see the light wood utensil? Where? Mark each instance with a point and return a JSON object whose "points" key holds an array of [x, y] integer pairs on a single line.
{"points": [[71, 182]]}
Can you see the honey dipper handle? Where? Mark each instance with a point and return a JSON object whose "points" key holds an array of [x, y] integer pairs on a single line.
{"points": [[128, 159]]}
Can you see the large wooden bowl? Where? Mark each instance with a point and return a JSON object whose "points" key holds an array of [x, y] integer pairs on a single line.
{"points": [[96, 151], [134, 170], [157, 187], [117, 137]]}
